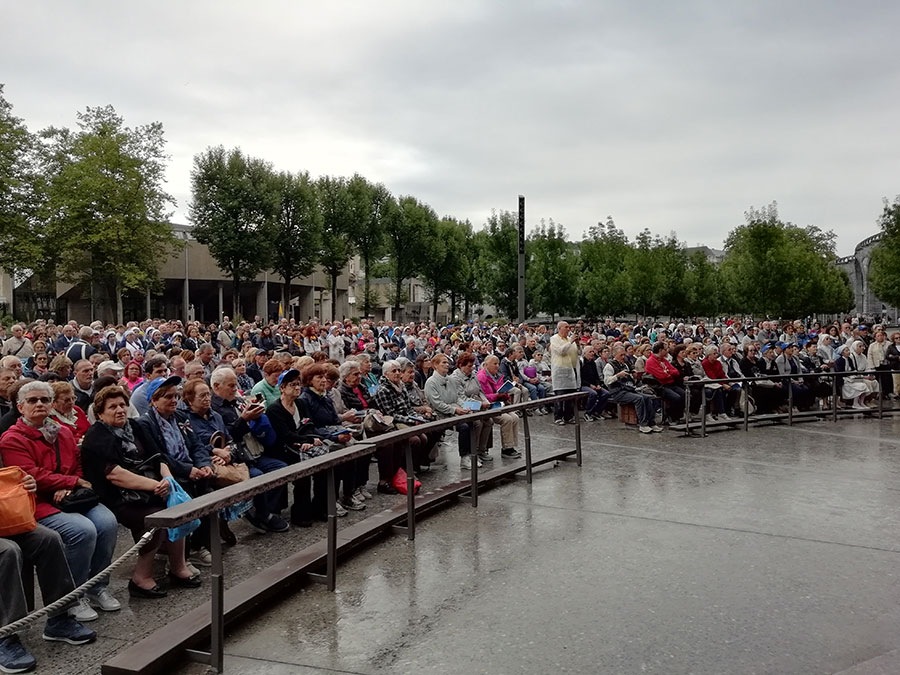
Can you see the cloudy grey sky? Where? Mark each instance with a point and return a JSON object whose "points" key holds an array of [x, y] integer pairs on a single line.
{"points": [[675, 116]]}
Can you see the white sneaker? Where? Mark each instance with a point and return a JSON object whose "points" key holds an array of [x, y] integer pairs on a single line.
{"points": [[82, 611], [711, 420], [201, 557], [339, 510], [358, 495], [645, 430], [658, 429], [466, 463], [104, 600], [364, 492]]}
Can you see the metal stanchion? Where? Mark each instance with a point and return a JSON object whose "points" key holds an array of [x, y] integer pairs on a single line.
{"points": [[745, 390], [880, 399], [474, 477], [790, 402], [577, 432], [527, 431], [703, 412], [217, 603], [331, 558], [410, 494], [687, 408], [834, 398]]}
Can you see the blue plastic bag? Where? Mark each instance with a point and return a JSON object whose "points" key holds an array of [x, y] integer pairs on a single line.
{"points": [[177, 495]]}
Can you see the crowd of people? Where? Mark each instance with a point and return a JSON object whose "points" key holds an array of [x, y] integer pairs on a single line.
{"points": [[105, 421]]}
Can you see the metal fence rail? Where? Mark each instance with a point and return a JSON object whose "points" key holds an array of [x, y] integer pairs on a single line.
{"points": [[208, 506]]}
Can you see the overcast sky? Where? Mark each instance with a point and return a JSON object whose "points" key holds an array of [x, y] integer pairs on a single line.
{"points": [[676, 116]]}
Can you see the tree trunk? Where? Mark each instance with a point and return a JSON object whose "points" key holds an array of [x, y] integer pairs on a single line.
{"points": [[434, 305], [119, 310], [236, 297], [452, 307], [333, 296], [466, 311]]}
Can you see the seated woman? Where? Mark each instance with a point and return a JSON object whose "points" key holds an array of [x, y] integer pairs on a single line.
{"points": [[61, 365], [789, 364], [768, 394], [39, 364], [130, 481], [392, 398], [296, 441], [133, 375], [268, 385], [353, 396], [858, 388], [470, 388], [490, 380], [319, 407], [65, 411], [163, 432], [447, 399], [245, 382], [424, 370], [727, 394], [47, 451]]}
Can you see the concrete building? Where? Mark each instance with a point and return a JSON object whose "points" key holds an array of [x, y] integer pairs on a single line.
{"points": [[193, 287], [857, 268]]}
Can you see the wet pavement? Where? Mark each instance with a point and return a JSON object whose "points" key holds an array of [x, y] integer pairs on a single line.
{"points": [[772, 551]]}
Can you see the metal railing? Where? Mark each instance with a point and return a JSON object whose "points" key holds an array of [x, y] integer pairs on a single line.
{"points": [[833, 412], [209, 505]]}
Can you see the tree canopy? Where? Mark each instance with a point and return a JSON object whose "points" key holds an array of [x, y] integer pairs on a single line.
{"points": [[884, 267]]}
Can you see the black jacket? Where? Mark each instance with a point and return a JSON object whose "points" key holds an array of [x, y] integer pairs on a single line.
{"points": [[287, 432], [148, 434]]}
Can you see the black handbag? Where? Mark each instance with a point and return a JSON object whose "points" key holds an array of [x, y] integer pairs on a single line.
{"points": [[147, 469], [80, 499]]}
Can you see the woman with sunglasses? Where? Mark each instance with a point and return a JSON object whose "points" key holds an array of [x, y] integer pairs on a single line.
{"points": [[40, 364], [46, 450]]}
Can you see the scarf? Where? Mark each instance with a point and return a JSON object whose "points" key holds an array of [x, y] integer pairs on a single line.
{"points": [[126, 437], [175, 445], [49, 429]]}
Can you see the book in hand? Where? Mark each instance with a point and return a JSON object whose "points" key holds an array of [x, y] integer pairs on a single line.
{"points": [[506, 387], [496, 404], [472, 405]]}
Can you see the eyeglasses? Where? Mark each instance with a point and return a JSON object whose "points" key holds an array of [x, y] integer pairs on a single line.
{"points": [[37, 399]]}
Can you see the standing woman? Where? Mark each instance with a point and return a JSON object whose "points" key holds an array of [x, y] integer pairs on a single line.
{"points": [[876, 359], [132, 485]]}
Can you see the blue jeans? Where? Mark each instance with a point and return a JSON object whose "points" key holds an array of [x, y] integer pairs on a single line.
{"points": [[273, 500], [596, 401], [89, 540], [537, 391]]}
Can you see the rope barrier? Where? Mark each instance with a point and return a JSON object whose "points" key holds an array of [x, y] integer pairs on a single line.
{"points": [[54, 607]]}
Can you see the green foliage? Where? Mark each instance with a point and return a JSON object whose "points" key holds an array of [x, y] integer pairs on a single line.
{"points": [[297, 229], [105, 203], [406, 233], [552, 271], [605, 285], [233, 210], [780, 269], [373, 206], [499, 269], [371, 298], [704, 292], [884, 268], [445, 257], [21, 239], [339, 229]]}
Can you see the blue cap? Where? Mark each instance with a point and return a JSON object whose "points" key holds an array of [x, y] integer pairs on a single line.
{"points": [[153, 385], [288, 375], [766, 347]]}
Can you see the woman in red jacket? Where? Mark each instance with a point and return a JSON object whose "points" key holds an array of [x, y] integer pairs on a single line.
{"points": [[47, 451]]}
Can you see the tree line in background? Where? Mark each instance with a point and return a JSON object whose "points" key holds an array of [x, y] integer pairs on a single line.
{"points": [[86, 206]]}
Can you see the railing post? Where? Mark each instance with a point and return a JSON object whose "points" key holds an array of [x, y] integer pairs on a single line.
{"points": [[702, 411], [880, 398], [745, 390], [577, 431], [687, 408], [527, 431], [331, 558], [474, 474], [410, 494], [834, 397], [217, 601], [790, 401]]}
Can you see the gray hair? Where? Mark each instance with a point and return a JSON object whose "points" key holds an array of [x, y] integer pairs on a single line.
{"points": [[220, 374], [402, 361], [348, 367], [36, 386], [390, 366], [205, 347], [362, 357], [710, 349], [490, 357]]}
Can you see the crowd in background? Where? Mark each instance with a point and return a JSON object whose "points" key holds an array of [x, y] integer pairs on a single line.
{"points": [[106, 421]]}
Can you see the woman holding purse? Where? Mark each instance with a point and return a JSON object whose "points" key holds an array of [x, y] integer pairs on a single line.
{"points": [[133, 484], [65, 501]]}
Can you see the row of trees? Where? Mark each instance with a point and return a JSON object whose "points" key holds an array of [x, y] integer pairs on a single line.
{"points": [[86, 206]]}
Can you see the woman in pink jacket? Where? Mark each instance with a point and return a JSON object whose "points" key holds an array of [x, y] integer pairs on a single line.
{"points": [[491, 380]]}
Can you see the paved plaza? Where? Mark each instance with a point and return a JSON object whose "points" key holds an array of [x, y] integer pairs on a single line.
{"points": [[772, 551]]}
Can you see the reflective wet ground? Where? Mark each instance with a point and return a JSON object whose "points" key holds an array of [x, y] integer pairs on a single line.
{"points": [[772, 551]]}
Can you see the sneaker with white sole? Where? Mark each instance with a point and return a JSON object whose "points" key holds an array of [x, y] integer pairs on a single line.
{"points": [[339, 510], [358, 495], [645, 430], [104, 600], [364, 491], [14, 658], [485, 457], [353, 504], [658, 429], [63, 628], [510, 453], [466, 462], [201, 557], [82, 611]]}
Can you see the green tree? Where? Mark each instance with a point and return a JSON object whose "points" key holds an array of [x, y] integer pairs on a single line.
{"points": [[552, 270], [500, 262], [372, 206], [780, 269], [671, 264], [297, 231], [339, 230], [471, 290], [703, 287], [884, 269], [21, 237], [107, 210], [233, 210], [444, 249], [605, 286], [645, 277], [406, 234]]}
